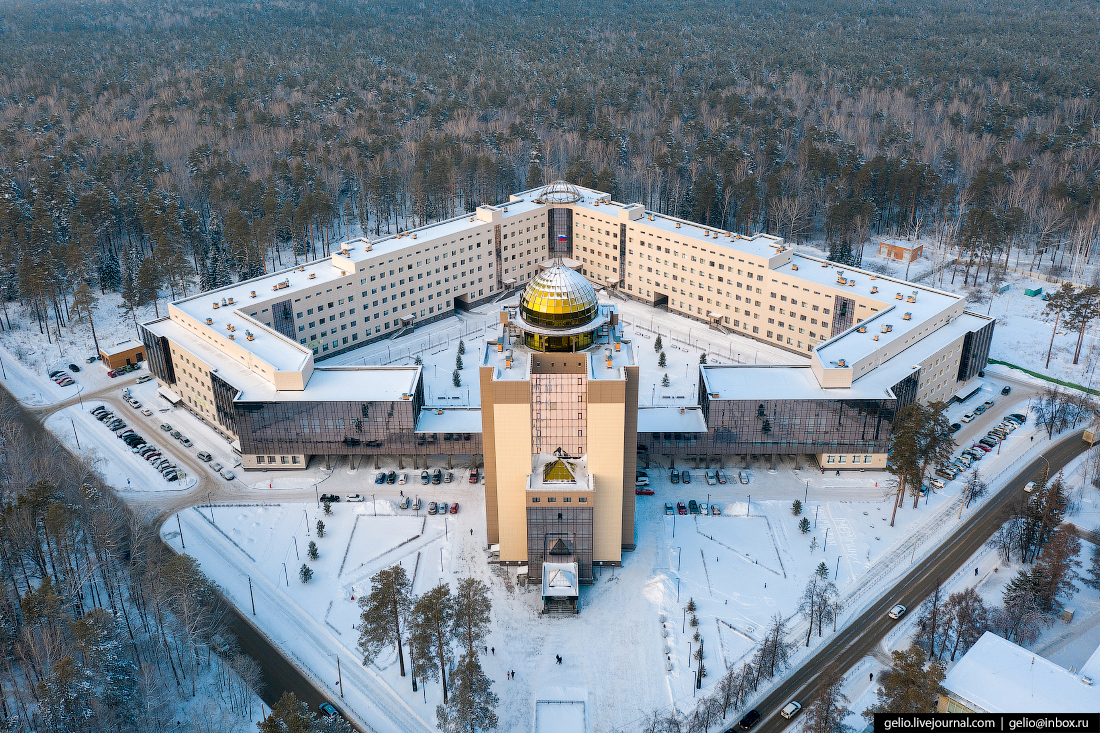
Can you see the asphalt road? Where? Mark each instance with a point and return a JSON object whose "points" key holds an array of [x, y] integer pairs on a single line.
{"points": [[859, 637]]}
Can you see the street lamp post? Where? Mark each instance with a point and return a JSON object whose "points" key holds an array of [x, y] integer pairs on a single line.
{"points": [[75, 434]]}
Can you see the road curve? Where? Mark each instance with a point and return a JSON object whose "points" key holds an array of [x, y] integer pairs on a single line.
{"points": [[861, 635]]}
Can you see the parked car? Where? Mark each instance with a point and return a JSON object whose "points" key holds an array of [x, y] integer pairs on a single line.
{"points": [[354, 498], [981, 447], [328, 711], [1018, 417], [473, 476], [956, 427], [1029, 487], [967, 417], [980, 409], [416, 505], [988, 403], [790, 710], [1006, 389], [391, 477], [750, 719], [186, 442], [147, 412], [448, 477], [681, 508], [711, 480], [403, 478], [166, 427], [720, 476], [145, 378], [228, 475], [55, 373], [443, 508], [74, 368], [896, 612], [674, 477], [331, 498], [693, 506], [704, 508], [715, 511], [640, 481], [742, 477], [380, 478], [437, 476], [454, 508], [404, 503], [432, 507], [176, 434], [936, 483], [425, 477], [685, 476], [112, 373], [669, 509], [641, 491], [90, 359]]}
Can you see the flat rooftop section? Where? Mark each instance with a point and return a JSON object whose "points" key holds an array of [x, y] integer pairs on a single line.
{"points": [[343, 384], [597, 362], [521, 360], [229, 370], [852, 345], [1001, 677], [779, 382], [122, 346], [561, 709], [671, 420], [449, 420]]}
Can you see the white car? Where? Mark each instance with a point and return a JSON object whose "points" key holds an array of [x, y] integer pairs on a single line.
{"points": [[711, 478], [704, 508], [228, 475], [791, 709], [896, 612], [1029, 486], [641, 481], [146, 411], [967, 417], [936, 483], [353, 497], [403, 478]]}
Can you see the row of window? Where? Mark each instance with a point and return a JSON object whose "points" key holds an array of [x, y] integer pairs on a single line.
{"points": [[843, 459], [564, 499], [284, 460]]}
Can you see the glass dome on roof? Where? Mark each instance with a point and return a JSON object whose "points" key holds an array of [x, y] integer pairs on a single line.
{"points": [[559, 298]]}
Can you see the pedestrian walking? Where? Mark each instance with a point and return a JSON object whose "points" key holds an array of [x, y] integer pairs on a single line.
{"points": [[872, 679], [494, 651], [975, 571]]}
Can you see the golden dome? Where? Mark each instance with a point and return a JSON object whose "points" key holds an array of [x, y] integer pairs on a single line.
{"points": [[559, 298]]}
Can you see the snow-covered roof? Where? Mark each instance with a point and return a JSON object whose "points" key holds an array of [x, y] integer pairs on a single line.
{"points": [[1091, 668], [559, 580], [780, 382], [343, 384], [449, 420], [121, 346], [671, 419], [997, 676]]}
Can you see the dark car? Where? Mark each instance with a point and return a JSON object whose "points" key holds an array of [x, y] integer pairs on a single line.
{"points": [[437, 477], [681, 508], [1018, 417], [1004, 390], [685, 476], [751, 718], [693, 506], [674, 477], [74, 367], [956, 427], [328, 711], [391, 477], [720, 476], [330, 498], [380, 478]]}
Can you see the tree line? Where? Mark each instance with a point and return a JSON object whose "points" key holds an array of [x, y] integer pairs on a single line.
{"points": [[102, 628]]}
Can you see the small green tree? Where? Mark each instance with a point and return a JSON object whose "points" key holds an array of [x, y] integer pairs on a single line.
{"points": [[327, 507], [305, 573], [664, 381], [456, 378], [822, 569], [461, 347], [312, 551], [662, 361], [796, 507], [911, 687], [691, 605], [703, 358], [320, 528], [418, 361], [813, 543], [804, 525], [458, 362], [657, 345]]}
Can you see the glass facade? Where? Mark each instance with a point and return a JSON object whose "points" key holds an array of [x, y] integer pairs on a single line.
{"points": [[558, 412], [559, 344], [843, 308], [559, 534], [159, 355], [559, 298], [906, 390], [975, 352]]}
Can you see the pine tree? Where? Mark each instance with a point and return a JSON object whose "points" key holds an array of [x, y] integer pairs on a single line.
{"points": [[461, 348], [383, 613], [471, 610], [829, 708], [1057, 568], [703, 358], [912, 685], [312, 551], [1092, 573], [431, 628], [456, 378], [664, 381], [289, 715], [472, 706], [822, 570], [657, 345], [796, 507], [305, 573], [662, 362], [418, 361], [327, 507], [804, 525], [320, 528]]}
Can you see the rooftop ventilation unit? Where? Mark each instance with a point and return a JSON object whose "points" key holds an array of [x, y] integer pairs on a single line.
{"points": [[875, 337], [851, 283], [224, 303], [312, 275], [232, 337], [677, 224], [209, 321], [863, 329], [824, 264], [230, 301], [897, 296], [841, 362], [249, 336], [912, 297], [887, 328], [216, 306], [794, 267], [252, 293], [907, 317], [874, 288]]}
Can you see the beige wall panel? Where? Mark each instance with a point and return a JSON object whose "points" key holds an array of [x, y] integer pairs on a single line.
{"points": [[605, 464], [512, 431]]}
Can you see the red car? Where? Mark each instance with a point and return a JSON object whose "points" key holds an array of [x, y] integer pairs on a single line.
{"points": [[473, 477], [979, 446], [644, 492], [112, 374], [681, 507], [454, 508]]}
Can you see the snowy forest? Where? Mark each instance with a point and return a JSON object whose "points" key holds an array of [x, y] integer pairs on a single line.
{"points": [[155, 148]]}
